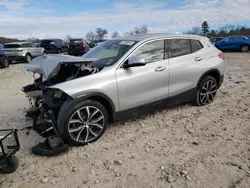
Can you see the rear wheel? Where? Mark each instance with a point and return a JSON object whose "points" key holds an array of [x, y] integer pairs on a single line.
{"points": [[82, 122], [28, 58], [206, 91], [5, 63], [59, 51], [244, 48]]}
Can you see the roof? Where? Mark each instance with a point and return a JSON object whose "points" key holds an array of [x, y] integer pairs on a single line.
{"points": [[20, 43], [156, 35]]}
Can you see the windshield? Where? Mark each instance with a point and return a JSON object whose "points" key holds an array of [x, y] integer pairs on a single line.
{"points": [[110, 51]]}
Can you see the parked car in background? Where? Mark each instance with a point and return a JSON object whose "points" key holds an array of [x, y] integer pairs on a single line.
{"points": [[121, 76], [1, 46], [24, 51], [216, 39], [78, 47], [57, 46], [241, 43], [4, 63]]}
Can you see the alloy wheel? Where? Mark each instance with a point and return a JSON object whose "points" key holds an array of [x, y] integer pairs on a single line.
{"points": [[244, 48], [28, 58], [86, 124], [208, 92]]}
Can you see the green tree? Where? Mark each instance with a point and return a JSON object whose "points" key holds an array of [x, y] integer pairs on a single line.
{"points": [[205, 28]]}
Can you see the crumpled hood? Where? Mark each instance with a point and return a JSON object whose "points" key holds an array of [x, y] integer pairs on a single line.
{"points": [[50, 63]]}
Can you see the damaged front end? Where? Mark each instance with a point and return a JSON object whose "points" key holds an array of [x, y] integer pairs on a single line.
{"points": [[45, 102]]}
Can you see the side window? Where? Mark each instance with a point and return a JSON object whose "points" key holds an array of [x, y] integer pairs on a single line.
{"points": [[57, 42], [26, 45], [151, 51], [179, 47], [238, 38], [196, 45], [62, 42]]}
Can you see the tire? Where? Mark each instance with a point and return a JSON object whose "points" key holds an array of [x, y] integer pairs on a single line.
{"points": [[11, 165], [27, 58], [5, 63], [59, 51], [205, 97], [93, 128], [244, 48]]}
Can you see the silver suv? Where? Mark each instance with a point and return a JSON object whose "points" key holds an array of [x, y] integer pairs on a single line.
{"points": [[124, 76], [23, 51]]}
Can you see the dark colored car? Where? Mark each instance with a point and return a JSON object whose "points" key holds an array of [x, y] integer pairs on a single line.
{"points": [[241, 43], [4, 63], [54, 46], [78, 47]]}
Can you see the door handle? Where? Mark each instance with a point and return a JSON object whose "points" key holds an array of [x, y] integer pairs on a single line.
{"points": [[198, 58], [160, 69]]}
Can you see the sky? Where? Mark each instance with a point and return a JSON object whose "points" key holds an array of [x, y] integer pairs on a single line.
{"points": [[58, 18]]}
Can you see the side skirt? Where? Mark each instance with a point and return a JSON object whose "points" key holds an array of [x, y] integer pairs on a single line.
{"points": [[185, 97]]}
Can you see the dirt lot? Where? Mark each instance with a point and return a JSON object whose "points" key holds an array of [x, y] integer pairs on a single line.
{"points": [[185, 146]]}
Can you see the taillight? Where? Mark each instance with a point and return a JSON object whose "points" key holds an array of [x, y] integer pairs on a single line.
{"points": [[221, 55], [82, 43], [68, 44]]}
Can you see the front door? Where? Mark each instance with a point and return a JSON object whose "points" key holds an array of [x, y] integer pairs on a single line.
{"points": [[144, 84]]}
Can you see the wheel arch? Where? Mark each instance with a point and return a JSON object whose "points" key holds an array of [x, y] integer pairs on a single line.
{"points": [[104, 100], [215, 73]]}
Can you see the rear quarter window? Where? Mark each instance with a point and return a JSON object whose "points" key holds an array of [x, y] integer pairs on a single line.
{"points": [[196, 45]]}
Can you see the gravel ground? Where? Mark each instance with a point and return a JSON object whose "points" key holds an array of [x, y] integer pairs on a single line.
{"points": [[184, 146]]}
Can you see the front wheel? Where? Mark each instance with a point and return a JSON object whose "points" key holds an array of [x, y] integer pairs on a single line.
{"points": [[82, 122], [206, 91], [10, 165], [244, 48]]}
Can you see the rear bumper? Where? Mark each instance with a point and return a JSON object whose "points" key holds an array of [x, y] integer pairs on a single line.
{"points": [[76, 51], [221, 81]]}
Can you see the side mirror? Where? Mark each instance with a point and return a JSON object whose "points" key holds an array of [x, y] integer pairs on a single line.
{"points": [[135, 61]]}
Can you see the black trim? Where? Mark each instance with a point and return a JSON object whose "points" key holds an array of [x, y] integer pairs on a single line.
{"points": [[221, 81], [185, 97]]}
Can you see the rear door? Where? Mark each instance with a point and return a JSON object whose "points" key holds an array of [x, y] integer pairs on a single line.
{"points": [[36, 50], [144, 84], [27, 47], [238, 41], [186, 58]]}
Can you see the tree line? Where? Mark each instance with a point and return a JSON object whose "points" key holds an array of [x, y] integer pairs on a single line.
{"points": [[98, 35], [224, 31]]}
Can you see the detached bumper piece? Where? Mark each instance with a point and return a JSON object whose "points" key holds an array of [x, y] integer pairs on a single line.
{"points": [[50, 147], [53, 144]]}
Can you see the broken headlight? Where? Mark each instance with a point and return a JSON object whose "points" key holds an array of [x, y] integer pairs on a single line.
{"points": [[57, 93]]}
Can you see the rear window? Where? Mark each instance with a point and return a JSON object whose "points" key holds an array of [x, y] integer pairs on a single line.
{"points": [[12, 46], [196, 45], [76, 41], [46, 42]]}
